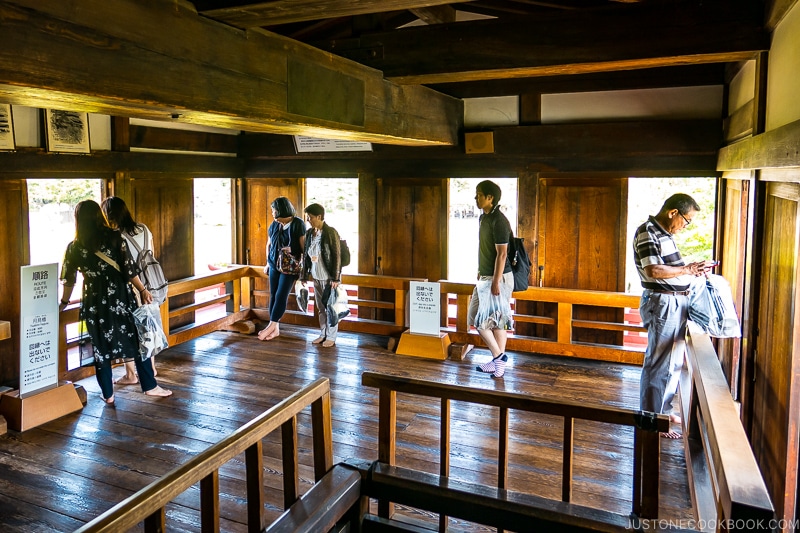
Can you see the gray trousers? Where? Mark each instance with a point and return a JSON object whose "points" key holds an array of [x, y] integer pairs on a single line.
{"points": [[664, 316], [321, 303]]}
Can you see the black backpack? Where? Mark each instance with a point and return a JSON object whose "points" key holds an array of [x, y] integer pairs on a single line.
{"points": [[520, 263], [344, 252]]}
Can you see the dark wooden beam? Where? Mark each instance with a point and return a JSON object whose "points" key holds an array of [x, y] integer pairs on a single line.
{"points": [[435, 14], [651, 78], [574, 42], [287, 11], [160, 60], [36, 163], [675, 148], [778, 148]]}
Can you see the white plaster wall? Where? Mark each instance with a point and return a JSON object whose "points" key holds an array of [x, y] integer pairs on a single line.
{"points": [[667, 103], [27, 126], [742, 87], [783, 76]]}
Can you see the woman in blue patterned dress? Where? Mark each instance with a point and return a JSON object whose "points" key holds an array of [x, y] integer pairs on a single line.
{"points": [[107, 303]]}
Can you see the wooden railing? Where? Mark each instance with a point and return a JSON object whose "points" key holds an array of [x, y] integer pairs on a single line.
{"points": [[149, 504], [241, 294], [564, 322], [724, 479], [646, 427]]}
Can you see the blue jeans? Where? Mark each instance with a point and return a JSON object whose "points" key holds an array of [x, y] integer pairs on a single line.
{"points": [[147, 379], [664, 316], [280, 286]]}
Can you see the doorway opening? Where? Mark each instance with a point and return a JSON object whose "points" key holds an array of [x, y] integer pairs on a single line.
{"points": [[462, 246], [339, 197]]}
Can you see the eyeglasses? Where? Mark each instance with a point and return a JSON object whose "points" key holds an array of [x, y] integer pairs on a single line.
{"points": [[684, 218]]}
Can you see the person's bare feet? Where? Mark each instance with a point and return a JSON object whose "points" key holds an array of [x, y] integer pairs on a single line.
{"points": [[674, 419], [329, 343], [127, 380], [109, 401], [670, 435], [265, 333], [318, 340], [158, 391]]}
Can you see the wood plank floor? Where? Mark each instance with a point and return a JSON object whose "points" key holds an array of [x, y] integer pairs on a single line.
{"points": [[62, 474]]}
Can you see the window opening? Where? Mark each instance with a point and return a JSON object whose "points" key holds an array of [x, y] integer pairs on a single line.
{"points": [[51, 223], [339, 197], [213, 240]]}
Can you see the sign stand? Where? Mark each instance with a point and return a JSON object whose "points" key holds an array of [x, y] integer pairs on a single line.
{"points": [[424, 337], [40, 398], [31, 411]]}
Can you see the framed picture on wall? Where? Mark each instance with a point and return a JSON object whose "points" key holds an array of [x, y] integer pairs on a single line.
{"points": [[6, 128], [67, 131]]}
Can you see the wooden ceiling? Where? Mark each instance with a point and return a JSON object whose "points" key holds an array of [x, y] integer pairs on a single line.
{"points": [[497, 47]]}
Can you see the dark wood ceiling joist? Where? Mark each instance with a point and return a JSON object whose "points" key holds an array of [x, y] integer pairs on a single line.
{"points": [[287, 11], [160, 60], [575, 42]]}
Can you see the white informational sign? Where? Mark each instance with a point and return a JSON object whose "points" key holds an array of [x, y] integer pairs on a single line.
{"points": [[424, 314], [311, 144], [38, 347]]}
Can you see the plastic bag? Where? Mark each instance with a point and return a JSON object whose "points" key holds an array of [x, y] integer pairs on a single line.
{"points": [[711, 307], [151, 334], [494, 312], [301, 296], [337, 305]]}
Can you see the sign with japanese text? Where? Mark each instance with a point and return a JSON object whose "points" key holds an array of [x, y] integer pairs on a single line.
{"points": [[424, 308], [38, 358]]}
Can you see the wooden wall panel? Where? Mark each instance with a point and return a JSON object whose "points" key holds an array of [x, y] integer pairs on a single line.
{"points": [[731, 248], [258, 195], [16, 253], [776, 409], [166, 205], [582, 241]]}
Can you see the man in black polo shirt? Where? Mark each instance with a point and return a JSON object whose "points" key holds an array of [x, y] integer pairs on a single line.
{"points": [[490, 306], [664, 306]]}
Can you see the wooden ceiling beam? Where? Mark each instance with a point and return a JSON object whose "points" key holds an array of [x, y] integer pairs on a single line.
{"points": [[435, 14], [160, 60], [287, 11], [576, 42]]}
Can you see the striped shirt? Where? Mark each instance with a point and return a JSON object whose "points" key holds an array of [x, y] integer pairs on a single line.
{"points": [[653, 245]]}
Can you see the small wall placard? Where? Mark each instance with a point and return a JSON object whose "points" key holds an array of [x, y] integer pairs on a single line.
{"points": [[6, 128], [67, 131], [311, 144]]}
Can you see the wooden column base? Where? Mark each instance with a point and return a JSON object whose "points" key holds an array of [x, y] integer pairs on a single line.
{"points": [[26, 413], [429, 346]]}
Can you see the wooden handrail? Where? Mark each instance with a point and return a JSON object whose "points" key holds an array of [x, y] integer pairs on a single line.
{"points": [[725, 481], [646, 428], [149, 504]]}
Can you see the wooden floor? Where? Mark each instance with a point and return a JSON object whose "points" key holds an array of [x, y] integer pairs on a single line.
{"points": [[62, 474]]}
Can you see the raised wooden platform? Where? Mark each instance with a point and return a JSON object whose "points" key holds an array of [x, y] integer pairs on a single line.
{"points": [[101, 455]]}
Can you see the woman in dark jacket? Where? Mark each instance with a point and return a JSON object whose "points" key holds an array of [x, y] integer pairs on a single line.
{"points": [[288, 232], [107, 303], [322, 261]]}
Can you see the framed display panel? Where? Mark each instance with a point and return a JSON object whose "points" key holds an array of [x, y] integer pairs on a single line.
{"points": [[67, 131], [6, 128]]}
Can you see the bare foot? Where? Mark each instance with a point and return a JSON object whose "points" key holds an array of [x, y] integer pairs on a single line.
{"points": [[670, 435], [158, 391], [264, 333], [126, 380], [329, 343], [674, 419], [318, 340], [109, 401]]}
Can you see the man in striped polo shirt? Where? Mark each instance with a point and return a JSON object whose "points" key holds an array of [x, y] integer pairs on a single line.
{"points": [[664, 305]]}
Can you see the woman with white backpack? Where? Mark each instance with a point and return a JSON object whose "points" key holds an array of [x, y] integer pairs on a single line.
{"points": [[140, 244]]}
